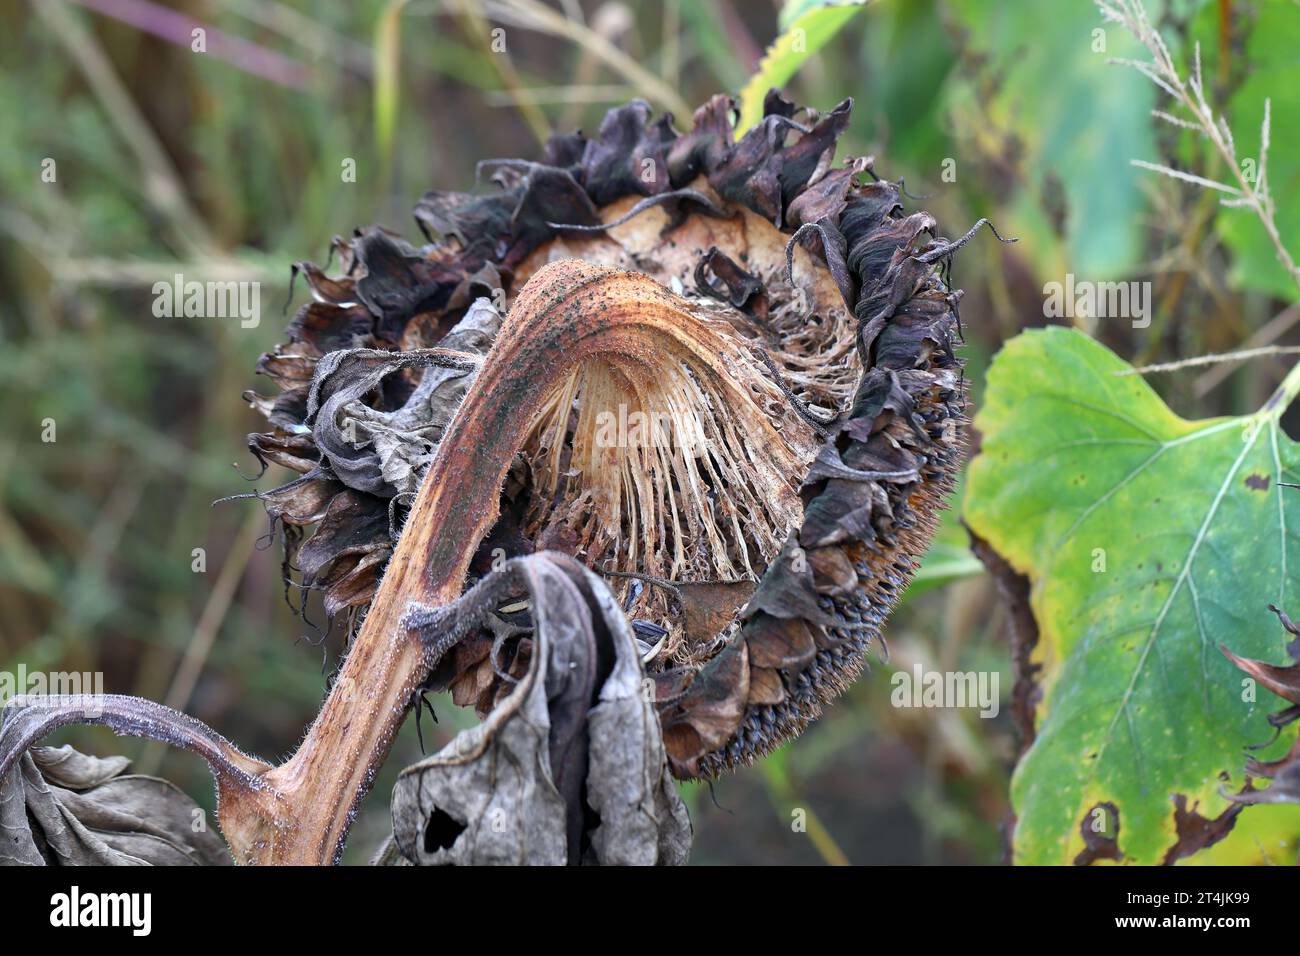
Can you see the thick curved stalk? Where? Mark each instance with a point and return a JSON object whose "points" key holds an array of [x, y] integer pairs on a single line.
{"points": [[569, 312]]}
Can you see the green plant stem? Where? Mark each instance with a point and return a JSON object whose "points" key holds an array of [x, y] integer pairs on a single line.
{"points": [[782, 794], [1283, 396]]}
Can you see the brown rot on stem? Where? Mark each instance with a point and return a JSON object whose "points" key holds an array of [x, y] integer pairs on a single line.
{"points": [[666, 407]]}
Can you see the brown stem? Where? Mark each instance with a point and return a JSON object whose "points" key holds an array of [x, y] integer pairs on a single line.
{"points": [[568, 312]]}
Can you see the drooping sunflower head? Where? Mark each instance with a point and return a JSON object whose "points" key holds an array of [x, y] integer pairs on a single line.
{"points": [[718, 371]]}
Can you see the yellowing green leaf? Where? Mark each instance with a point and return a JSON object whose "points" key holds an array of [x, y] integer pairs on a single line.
{"points": [[1148, 540], [806, 25]]}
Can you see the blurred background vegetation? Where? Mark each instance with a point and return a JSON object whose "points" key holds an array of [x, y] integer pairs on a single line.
{"points": [[226, 164]]}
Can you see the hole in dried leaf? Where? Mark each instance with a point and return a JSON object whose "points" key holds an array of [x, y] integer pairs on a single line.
{"points": [[442, 831]]}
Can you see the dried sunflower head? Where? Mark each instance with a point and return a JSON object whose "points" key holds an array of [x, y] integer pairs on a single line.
{"points": [[719, 372]]}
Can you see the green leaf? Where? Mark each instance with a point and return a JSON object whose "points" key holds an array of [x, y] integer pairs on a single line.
{"points": [[1048, 107], [806, 27], [793, 10], [1148, 540], [1272, 58]]}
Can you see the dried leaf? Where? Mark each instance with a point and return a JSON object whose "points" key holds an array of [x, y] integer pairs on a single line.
{"points": [[84, 810], [575, 741], [1281, 679], [709, 606], [59, 807]]}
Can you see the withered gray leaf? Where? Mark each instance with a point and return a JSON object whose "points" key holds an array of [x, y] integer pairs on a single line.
{"points": [[59, 807], [642, 819], [62, 807], [555, 751], [385, 452]]}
